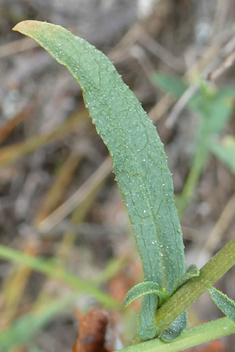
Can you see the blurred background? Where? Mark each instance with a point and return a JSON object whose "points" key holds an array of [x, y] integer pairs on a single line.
{"points": [[58, 198]]}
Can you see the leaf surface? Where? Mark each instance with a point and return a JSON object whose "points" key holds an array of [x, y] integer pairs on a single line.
{"points": [[174, 330], [139, 160]]}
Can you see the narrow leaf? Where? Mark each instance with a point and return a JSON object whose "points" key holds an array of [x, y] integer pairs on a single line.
{"points": [[142, 289], [223, 302], [139, 160], [192, 271]]}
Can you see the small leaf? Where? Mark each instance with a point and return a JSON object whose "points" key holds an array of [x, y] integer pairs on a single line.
{"points": [[175, 329], [223, 302], [192, 271], [142, 289]]}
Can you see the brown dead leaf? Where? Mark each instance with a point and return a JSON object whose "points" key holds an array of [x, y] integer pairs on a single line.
{"points": [[92, 328]]}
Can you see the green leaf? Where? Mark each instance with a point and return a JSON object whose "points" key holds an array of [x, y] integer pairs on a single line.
{"points": [[214, 109], [223, 302], [147, 320], [194, 288], [142, 289], [172, 85], [192, 271], [139, 160], [174, 330], [224, 151]]}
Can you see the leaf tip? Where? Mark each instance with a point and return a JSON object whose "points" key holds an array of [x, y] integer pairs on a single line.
{"points": [[27, 26], [23, 25]]}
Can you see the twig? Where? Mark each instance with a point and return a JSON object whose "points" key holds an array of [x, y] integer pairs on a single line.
{"points": [[77, 198], [222, 224], [158, 50], [17, 46], [192, 89]]}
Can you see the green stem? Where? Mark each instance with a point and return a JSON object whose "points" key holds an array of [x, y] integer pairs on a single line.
{"points": [[188, 338], [60, 274], [195, 287]]}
